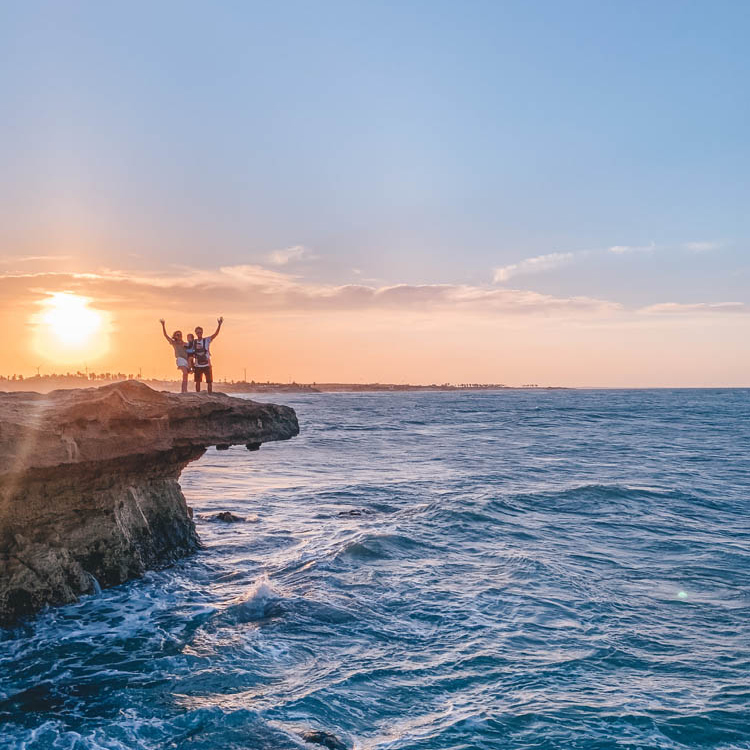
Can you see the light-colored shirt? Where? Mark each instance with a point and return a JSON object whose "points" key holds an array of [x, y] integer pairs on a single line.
{"points": [[207, 346]]}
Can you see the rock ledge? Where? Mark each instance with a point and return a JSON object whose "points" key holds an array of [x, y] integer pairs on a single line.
{"points": [[88, 483]]}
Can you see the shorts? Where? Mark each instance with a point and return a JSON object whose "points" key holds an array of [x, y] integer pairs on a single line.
{"points": [[209, 372], [182, 362]]}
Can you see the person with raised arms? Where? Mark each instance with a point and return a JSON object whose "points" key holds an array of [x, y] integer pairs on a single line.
{"points": [[180, 352], [201, 355]]}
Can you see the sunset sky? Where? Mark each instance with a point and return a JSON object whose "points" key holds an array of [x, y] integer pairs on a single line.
{"points": [[514, 192]]}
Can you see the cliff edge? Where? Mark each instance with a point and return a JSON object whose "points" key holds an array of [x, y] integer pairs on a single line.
{"points": [[88, 483]]}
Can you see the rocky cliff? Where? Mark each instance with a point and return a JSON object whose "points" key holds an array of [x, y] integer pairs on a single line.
{"points": [[88, 483]]}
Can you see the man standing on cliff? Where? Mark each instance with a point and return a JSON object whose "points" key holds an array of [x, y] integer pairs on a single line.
{"points": [[201, 352]]}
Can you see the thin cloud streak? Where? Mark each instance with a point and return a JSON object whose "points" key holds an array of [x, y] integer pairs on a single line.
{"points": [[694, 247], [702, 247], [290, 254], [33, 258], [531, 265], [680, 308], [624, 249]]}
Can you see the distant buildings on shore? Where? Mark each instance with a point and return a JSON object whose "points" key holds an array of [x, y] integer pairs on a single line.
{"points": [[45, 383]]}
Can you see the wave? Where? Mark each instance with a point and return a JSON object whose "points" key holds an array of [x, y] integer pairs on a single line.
{"points": [[384, 546], [263, 602], [595, 497], [259, 602]]}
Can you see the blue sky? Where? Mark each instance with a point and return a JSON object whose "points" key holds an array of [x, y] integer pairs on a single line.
{"points": [[394, 143], [415, 142]]}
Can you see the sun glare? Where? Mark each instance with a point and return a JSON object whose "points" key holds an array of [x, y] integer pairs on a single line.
{"points": [[68, 330]]}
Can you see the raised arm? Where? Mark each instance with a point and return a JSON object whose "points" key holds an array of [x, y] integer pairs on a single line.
{"points": [[218, 328], [164, 330]]}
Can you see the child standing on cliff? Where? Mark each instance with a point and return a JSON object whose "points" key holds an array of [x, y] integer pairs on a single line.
{"points": [[191, 352], [180, 353]]}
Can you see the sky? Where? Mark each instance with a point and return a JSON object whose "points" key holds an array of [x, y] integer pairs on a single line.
{"points": [[504, 192]]}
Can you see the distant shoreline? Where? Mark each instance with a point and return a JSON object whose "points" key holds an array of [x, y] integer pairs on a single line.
{"points": [[45, 384]]}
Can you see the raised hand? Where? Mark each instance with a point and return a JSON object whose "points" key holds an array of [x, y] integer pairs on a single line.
{"points": [[164, 330], [218, 327]]}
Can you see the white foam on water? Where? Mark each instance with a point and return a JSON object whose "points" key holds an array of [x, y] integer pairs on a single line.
{"points": [[252, 604]]}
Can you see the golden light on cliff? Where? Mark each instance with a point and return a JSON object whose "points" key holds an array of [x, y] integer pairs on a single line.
{"points": [[68, 331]]}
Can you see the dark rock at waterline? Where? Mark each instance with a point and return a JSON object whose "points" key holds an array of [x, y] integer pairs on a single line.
{"points": [[326, 739], [88, 483], [228, 517], [355, 513]]}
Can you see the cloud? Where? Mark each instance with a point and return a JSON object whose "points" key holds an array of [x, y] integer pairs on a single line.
{"points": [[680, 308], [702, 247], [532, 265], [623, 249], [252, 289], [695, 247], [33, 258], [289, 255], [550, 261]]}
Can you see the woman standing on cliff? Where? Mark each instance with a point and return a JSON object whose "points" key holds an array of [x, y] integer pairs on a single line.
{"points": [[180, 352]]}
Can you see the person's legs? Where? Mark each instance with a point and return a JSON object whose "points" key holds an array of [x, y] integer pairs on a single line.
{"points": [[198, 378], [184, 379], [210, 379]]}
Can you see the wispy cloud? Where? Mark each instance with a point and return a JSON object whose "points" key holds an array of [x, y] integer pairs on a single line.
{"points": [[33, 258], [694, 247], [290, 255], [702, 247], [623, 249], [531, 265], [682, 308]]}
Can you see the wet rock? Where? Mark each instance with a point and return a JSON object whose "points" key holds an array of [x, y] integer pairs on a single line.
{"points": [[326, 739], [228, 517], [89, 483], [354, 513]]}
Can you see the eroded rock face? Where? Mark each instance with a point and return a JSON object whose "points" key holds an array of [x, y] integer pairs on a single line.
{"points": [[88, 483]]}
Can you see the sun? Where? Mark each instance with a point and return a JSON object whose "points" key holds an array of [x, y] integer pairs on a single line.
{"points": [[67, 330]]}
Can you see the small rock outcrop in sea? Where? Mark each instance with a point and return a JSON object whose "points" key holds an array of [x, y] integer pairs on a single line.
{"points": [[226, 517], [88, 483]]}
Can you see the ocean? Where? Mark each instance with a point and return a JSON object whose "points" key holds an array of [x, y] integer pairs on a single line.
{"points": [[428, 571]]}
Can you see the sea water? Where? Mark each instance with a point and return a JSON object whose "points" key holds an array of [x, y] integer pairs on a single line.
{"points": [[512, 569]]}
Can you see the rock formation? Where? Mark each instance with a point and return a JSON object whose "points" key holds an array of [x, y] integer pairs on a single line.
{"points": [[88, 483]]}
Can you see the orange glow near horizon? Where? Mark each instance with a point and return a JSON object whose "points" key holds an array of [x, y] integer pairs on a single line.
{"points": [[279, 327], [67, 330]]}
